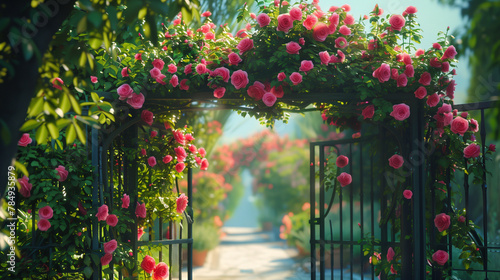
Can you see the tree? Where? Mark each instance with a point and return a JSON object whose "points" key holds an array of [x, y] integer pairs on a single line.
{"points": [[45, 39]]}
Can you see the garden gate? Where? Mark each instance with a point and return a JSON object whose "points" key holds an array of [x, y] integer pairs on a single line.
{"points": [[351, 226], [118, 173]]}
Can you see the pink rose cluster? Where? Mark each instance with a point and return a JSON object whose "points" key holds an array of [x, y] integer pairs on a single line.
{"points": [[109, 247], [103, 215], [157, 271], [126, 92], [45, 214]]}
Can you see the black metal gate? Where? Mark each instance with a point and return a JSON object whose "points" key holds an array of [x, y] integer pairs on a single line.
{"points": [[352, 226]]}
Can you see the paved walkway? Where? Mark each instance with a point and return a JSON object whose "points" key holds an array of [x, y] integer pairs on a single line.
{"points": [[247, 253]]}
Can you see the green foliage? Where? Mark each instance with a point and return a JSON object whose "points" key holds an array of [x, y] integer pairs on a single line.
{"points": [[205, 236]]}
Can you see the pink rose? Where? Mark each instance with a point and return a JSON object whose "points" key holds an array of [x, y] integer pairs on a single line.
{"points": [[155, 73], [245, 45], [202, 152], [368, 112], [394, 73], [62, 172], [334, 19], [102, 213], [55, 85], [179, 137], [158, 63], [421, 92], [302, 41], [138, 56], [411, 10], [390, 254], [434, 62], [219, 92], [450, 89], [349, 20], [281, 76], [324, 57], [346, 7], [310, 22], [152, 161], [45, 212], [222, 72], [147, 117], [125, 91], [293, 48], [306, 65], [445, 67], [110, 246], [174, 81], [344, 30], [167, 159], [188, 69], [396, 161], [397, 22], [201, 69], [344, 179], [239, 79], [143, 152], [409, 71], [25, 140], [125, 72], [342, 161], [43, 224], [285, 23], [340, 43], [181, 203], [278, 91], [400, 111], [125, 200], [184, 85], [136, 101], [440, 257], [256, 91], [402, 80], [269, 99], [25, 186], [160, 271], [148, 264], [263, 20], [383, 73], [321, 31], [234, 58], [179, 167], [296, 13], [93, 79], [442, 222], [172, 68], [106, 259], [180, 153], [112, 220], [472, 151], [296, 78], [449, 53], [204, 164], [425, 79], [433, 100], [407, 194], [492, 147], [459, 125], [206, 14], [140, 210]]}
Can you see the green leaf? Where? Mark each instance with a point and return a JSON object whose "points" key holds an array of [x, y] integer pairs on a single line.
{"points": [[30, 124], [75, 105], [62, 123], [36, 106], [64, 103], [21, 167], [70, 134], [41, 134], [95, 97], [80, 133], [53, 130]]}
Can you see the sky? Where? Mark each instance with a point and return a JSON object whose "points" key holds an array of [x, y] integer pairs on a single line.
{"points": [[432, 16]]}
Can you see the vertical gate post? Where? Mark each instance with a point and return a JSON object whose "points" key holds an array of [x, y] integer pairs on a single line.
{"points": [[312, 220], [418, 183], [95, 200]]}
